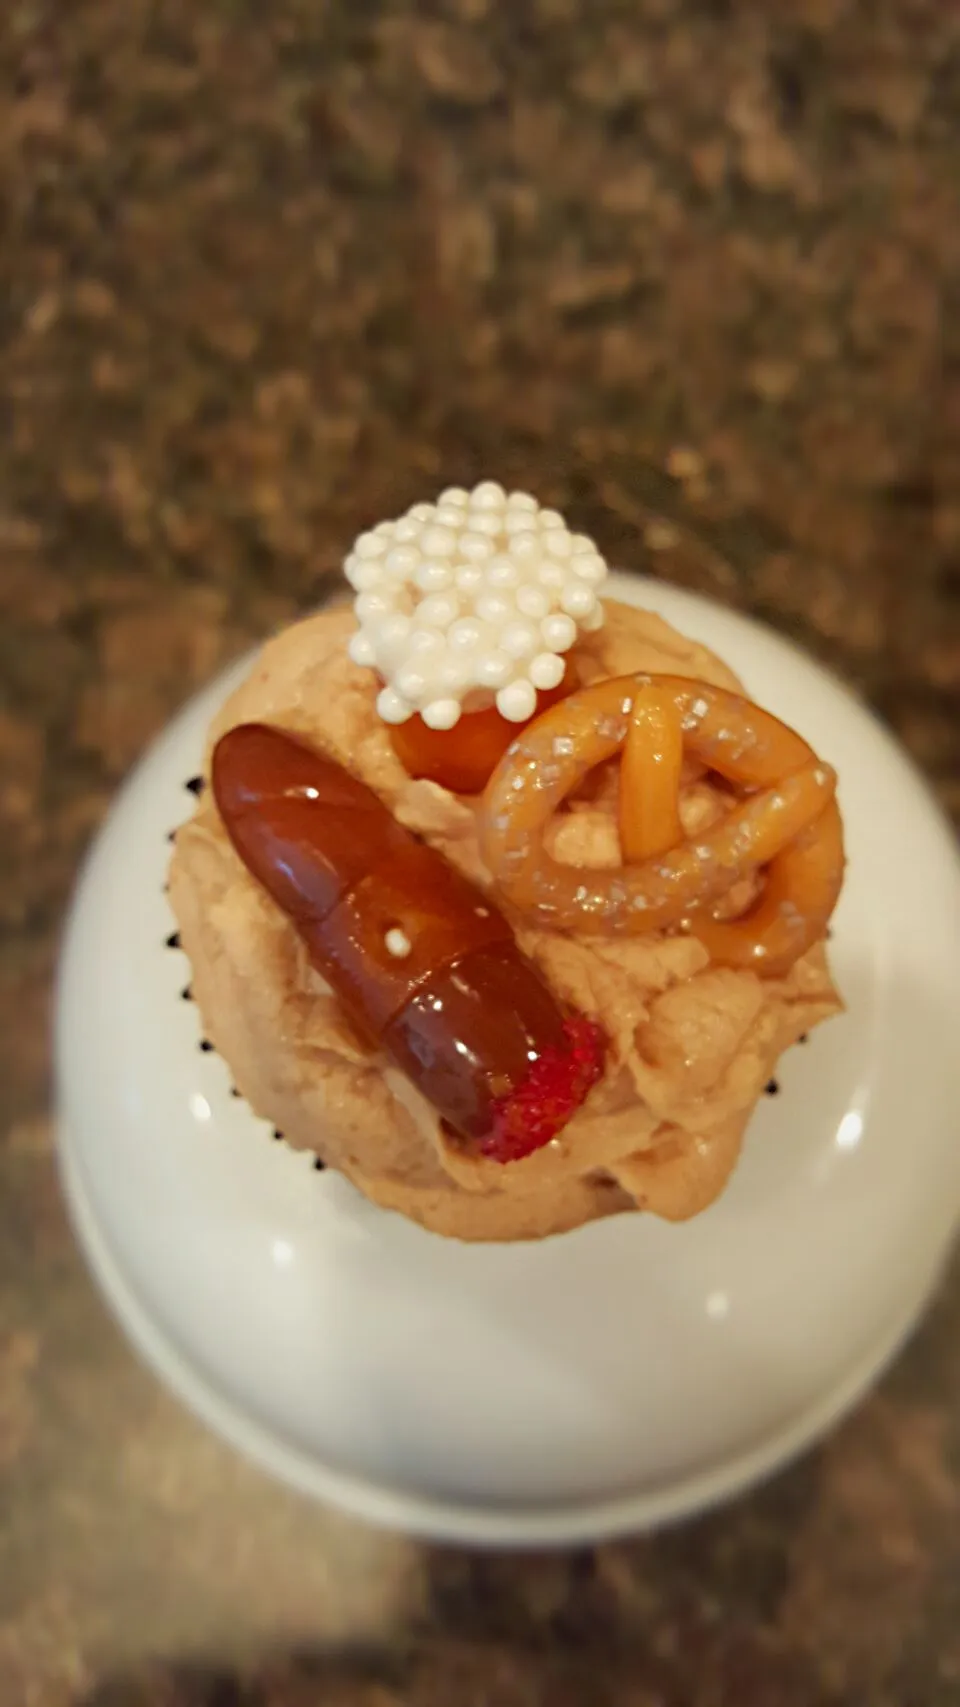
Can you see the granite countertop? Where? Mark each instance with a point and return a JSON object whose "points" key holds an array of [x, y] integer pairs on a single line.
{"points": [[268, 274]]}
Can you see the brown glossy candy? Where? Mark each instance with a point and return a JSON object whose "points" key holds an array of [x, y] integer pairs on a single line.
{"points": [[420, 958]]}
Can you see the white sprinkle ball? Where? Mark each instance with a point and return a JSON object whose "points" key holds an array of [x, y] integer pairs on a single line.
{"points": [[390, 635], [489, 522], [590, 569], [488, 496], [475, 547], [432, 575], [578, 599], [546, 671], [501, 572], [524, 547], [479, 593], [517, 702], [441, 713], [494, 669], [465, 634], [361, 649], [532, 601], [402, 560], [397, 943], [368, 605], [519, 639], [494, 608], [411, 683], [456, 675], [438, 542], [391, 707], [370, 545], [424, 640], [518, 521], [439, 610], [552, 575], [559, 632], [362, 574]]}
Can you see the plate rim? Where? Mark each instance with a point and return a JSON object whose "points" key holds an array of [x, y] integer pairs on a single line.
{"points": [[444, 1520]]}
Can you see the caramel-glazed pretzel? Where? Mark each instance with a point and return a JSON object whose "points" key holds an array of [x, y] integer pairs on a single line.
{"points": [[786, 821]]}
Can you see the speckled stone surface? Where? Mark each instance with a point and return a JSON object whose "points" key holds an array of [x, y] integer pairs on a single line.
{"points": [[270, 272]]}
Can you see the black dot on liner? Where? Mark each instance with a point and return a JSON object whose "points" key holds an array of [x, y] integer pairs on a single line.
{"points": [[772, 1088], [173, 940], [206, 1045], [171, 835], [804, 1037], [186, 994], [196, 785], [320, 1166], [234, 1092], [277, 1132]]}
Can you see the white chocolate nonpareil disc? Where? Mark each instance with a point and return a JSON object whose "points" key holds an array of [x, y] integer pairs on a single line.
{"points": [[479, 591]]}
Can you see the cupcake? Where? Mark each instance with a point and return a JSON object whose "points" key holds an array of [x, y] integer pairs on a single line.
{"points": [[501, 897]]}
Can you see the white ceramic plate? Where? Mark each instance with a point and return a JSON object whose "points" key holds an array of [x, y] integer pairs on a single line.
{"points": [[602, 1381]]}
